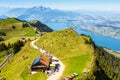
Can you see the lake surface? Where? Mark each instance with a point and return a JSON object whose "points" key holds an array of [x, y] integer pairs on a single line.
{"points": [[100, 40]]}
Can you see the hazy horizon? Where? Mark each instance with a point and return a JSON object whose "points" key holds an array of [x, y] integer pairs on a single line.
{"points": [[107, 5]]}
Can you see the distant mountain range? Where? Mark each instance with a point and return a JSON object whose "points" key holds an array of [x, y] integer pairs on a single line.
{"points": [[40, 13], [46, 14], [105, 23]]}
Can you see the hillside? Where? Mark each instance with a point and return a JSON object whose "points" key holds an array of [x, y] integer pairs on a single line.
{"points": [[14, 23], [19, 65], [40, 26], [13, 27], [78, 53], [12, 30], [8, 23], [107, 64], [75, 51]]}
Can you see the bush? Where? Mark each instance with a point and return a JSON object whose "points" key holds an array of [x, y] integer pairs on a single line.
{"points": [[17, 46], [1, 39], [2, 33], [12, 48], [3, 47]]}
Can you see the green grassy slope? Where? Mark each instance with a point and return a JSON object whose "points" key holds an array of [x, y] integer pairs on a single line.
{"points": [[73, 50], [20, 32], [6, 23], [21, 28], [15, 29], [2, 58], [18, 67]]}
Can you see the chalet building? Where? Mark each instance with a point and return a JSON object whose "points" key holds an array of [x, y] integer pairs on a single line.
{"points": [[41, 64]]}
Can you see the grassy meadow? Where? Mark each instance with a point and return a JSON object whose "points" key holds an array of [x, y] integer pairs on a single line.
{"points": [[16, 28], [6, 23], [13, 35], [18, 67], [23, 32]]}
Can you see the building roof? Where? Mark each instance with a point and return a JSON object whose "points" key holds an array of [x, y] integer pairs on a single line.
{"points": [[36, 60], [42, 59]]}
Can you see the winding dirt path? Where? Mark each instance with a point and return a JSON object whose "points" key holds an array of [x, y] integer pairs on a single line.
{"points": [[56, 75]]}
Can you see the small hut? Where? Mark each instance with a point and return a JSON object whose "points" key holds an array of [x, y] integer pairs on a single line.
{"points": [[40, 64]]}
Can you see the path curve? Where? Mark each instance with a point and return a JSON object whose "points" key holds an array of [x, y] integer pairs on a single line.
{"points": [[56, 75]]}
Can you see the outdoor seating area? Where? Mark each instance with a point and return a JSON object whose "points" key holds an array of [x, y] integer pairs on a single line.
{"points": [[54, 67]]}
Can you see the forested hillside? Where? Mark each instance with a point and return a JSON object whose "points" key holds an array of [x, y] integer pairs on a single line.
{"points": [[108, 67]]}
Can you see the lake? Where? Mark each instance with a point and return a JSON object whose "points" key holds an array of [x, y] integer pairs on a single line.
{"points": [[100, 40]]}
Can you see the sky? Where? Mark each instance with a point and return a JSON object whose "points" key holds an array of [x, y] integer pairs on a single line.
{"points": [[65, 4]]}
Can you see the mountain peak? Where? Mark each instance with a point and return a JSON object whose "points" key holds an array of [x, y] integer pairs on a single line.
{"points": [[41, 8]]}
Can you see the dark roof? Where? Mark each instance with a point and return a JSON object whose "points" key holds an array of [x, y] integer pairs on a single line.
{"points": [[36, 60]]}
